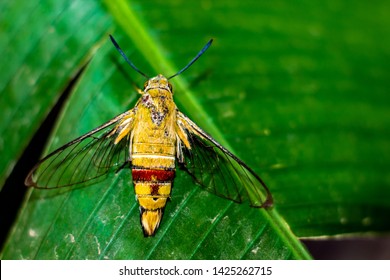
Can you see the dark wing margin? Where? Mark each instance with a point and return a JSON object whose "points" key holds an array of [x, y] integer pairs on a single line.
{"points": [[86, 158], [216, 169]]}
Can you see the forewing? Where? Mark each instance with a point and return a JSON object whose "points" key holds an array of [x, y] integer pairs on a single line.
{"points": [[216, 169], [86, 158]]}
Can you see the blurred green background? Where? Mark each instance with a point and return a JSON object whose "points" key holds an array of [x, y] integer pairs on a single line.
{"points": [[297, 89]]}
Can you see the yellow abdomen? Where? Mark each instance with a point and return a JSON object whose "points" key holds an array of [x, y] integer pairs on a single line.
{"points": [[153, 153]]}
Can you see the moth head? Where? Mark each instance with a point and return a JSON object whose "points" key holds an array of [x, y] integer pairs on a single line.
{"points": [[158, 82]]}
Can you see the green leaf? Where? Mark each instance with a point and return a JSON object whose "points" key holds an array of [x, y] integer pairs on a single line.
{"points": [[297, 92], [43, 50], [102, 221]]}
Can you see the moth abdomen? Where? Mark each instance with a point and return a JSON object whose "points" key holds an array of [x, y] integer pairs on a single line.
{"points": [[153, 189]]}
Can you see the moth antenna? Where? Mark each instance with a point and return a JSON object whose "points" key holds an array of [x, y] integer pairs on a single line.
{"points": [[126, 58], [193, 60]]}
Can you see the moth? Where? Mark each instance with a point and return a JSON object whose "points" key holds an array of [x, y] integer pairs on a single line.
{"points": [[152, 139]]}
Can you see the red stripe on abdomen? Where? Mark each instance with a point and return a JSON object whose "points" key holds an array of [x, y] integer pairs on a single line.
{"points": [[153, 175]]}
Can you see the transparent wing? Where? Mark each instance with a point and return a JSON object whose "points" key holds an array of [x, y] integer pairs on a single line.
{"points": [[216, 169], [86, 158]]}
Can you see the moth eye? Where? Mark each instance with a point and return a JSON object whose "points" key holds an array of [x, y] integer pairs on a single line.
{"points": [[146, 84], [170, 87]]}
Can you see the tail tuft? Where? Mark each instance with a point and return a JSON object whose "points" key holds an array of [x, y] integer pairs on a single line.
{"points": [[150, 220]]}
